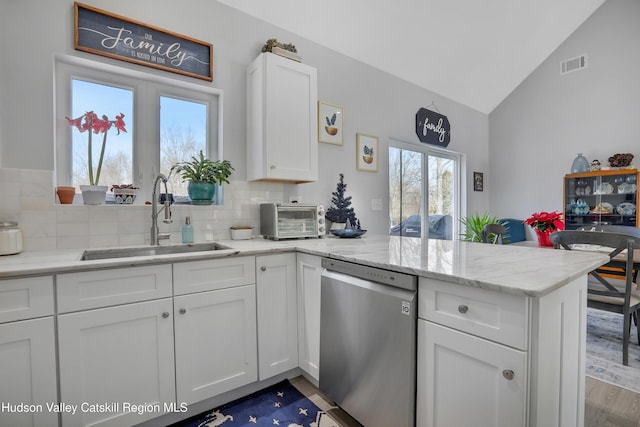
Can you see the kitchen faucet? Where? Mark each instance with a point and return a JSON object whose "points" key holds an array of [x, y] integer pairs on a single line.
{"points": [[156, 236]]}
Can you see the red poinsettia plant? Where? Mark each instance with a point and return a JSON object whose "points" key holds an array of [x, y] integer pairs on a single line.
{"points": [[89, 121], [545, 222]]}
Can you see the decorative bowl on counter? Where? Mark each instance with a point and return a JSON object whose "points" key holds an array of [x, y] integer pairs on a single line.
{"points": [[348, 233]]}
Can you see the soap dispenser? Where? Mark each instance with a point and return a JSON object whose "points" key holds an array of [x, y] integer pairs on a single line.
{"points": [[187, 231]]}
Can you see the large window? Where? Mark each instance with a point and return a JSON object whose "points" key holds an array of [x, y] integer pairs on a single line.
{"points": [[110, 101], [183, 133], [425, 192], [167, 121]]}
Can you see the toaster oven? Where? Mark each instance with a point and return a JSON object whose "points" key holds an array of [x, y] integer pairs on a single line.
{"points": [[291, 221]]}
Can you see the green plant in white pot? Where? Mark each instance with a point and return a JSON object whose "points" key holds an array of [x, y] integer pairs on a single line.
{"points": [[203, 175]]}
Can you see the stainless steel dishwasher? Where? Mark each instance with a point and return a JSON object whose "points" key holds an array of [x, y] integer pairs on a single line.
{"points": [[368, 342]]}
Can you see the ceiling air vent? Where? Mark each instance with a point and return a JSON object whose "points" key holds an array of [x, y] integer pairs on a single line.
{"points": [[573, 64]]}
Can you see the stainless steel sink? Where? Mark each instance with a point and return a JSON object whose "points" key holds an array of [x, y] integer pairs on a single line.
{"points": [[96, 254]]}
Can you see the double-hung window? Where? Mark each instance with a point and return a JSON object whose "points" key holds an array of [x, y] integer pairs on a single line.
{"points": [[167, 121]]}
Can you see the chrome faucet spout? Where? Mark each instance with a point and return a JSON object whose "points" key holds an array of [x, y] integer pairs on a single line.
{"points": [[156, 236]]}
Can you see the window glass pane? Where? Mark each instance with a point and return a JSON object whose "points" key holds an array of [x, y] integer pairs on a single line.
{"points": [[183, 133], [109, 101], [441, 185], [405, 192]]}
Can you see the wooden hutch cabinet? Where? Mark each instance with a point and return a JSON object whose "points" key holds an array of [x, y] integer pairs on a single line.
{"points": [[606, 197]]}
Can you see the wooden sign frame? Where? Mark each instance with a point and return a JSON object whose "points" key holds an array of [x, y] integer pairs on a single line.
{"points": [[103, 33]]}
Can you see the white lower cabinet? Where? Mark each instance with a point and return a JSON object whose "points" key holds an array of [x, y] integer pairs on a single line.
{"points": [[28, 373], [28, 380], [309, 273], [487, 358], [116, 356], [215, 341], [277, 314], [464, 380]]}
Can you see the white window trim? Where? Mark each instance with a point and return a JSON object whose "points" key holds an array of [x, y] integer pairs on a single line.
{"points": [[67, 67], [460, 160]]}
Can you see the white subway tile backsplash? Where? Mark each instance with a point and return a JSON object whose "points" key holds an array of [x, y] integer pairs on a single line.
{"points": [[103, 240], [73, 242], [40, 243], [28, 197]]}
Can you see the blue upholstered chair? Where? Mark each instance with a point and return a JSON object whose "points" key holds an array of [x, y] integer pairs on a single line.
{"points": [[515, 230]]}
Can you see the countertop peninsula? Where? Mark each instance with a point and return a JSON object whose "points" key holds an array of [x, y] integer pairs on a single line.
{"points": [[517, 270]]}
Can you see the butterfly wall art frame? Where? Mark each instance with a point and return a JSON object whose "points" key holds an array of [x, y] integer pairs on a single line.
{"points": [[366, 152], [330, 123]]}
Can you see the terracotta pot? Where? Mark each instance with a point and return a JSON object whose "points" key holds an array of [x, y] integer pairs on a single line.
{"points": [[66, 194]]}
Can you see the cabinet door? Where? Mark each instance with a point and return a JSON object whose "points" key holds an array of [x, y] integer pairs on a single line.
{"points": [[116, 355], [28, 372], [606, 197], [26, 298], [277, 314], [212, 274], [102, 288], [308, 287], [282, 123], [215, 336], [466, 381]]}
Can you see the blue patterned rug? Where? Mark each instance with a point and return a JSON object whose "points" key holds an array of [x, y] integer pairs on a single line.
{"points": [[604, 350], [279, 405]]}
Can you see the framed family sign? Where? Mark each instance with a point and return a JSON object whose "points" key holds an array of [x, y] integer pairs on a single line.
{"points": [[107, 34], [366, 152], [330, 123]]}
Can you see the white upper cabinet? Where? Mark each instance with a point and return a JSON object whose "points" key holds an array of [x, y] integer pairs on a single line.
{"points": [[282, 122]]}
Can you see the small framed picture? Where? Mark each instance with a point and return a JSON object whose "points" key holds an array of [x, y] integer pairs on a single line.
{"points": [[330, 123], [478, 181], [366, 152]]}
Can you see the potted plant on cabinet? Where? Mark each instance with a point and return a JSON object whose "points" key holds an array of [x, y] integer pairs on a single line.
{"points": [[94, 194], [203, 175]]}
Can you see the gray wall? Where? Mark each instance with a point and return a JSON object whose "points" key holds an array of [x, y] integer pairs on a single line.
{"points": [[538, 130], [374, 102]]}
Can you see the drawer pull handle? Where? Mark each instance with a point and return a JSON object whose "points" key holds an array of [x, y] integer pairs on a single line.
{"points": [[508, 374], [463, 308], [165, 314], [263, 268], [183, 310]]}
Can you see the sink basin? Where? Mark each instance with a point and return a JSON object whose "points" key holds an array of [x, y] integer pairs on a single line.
{"points": [[95, 254]]}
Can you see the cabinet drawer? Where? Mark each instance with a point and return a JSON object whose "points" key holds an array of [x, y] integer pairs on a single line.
{"points": [[26, 298], [208, 275], [488, 314], [101, 288]]}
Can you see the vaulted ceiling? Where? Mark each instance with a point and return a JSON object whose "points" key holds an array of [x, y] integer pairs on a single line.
{"points": [[474, 52]]}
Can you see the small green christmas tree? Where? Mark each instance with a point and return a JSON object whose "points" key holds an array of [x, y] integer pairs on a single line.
{"points": [[341, 211]]}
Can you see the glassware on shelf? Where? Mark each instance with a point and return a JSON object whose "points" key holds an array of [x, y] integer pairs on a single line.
{"points": [[580, 164]]}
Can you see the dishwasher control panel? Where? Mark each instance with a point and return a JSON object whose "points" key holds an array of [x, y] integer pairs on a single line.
{"points": [[391, 278]]}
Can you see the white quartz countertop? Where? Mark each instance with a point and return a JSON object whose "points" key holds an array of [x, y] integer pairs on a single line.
{"points": [[518, 270]]}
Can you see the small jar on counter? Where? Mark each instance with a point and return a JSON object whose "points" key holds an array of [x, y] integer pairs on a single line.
{"points": [[10, 238]]}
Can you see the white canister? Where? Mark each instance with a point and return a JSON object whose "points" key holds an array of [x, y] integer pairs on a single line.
{"points": [[10, 238]]}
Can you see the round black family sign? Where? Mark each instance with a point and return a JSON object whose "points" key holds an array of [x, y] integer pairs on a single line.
{"points": [[432, 127]]}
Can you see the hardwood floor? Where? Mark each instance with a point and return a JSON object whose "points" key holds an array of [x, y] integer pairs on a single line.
{"points": [[607, 405], [323, 402]]}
